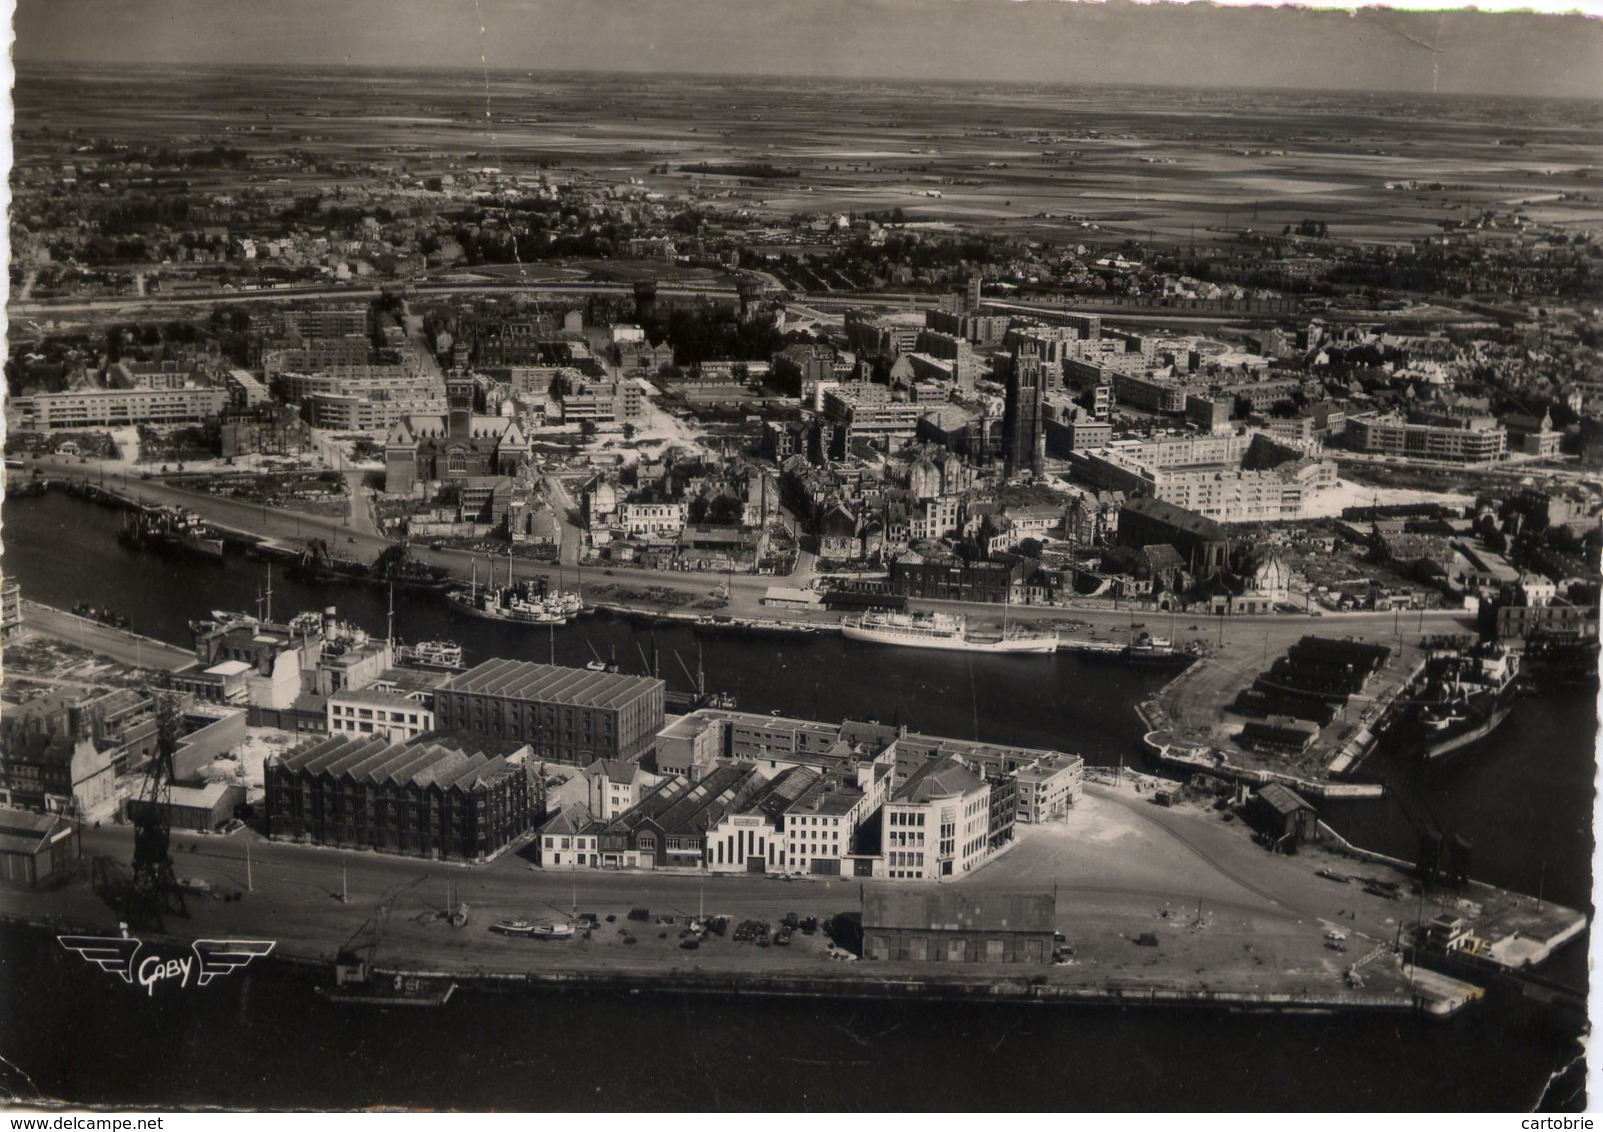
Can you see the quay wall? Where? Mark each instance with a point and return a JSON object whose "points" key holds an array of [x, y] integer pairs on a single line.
{"points": [[857, 981]]}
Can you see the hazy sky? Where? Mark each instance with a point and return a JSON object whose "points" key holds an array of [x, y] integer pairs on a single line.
{"points": [[1026, 40]]}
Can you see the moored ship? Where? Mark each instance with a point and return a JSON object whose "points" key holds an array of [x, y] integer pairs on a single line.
{"points": [[1557, 660], [1147, 649], [1463, 694], [357, 985], [940, 631], [396, 567], [174, 531], [714, 624], [444, 656], [520, 602], [316, 563]]}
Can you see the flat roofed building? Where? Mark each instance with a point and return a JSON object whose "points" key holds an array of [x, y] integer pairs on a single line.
{"points": [[385, 712], [87, 408], [1468, 440], [567, 715], [689, 745], [10, 612], [1047, 788], [201, 808]]}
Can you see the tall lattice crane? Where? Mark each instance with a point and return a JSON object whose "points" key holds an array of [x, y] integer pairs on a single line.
{"points": [[155, 892]]}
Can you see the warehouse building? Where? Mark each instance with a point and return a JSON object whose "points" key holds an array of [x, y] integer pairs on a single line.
{"points": [[36, 848], [945, 926], [427, 799], [566, 715]]}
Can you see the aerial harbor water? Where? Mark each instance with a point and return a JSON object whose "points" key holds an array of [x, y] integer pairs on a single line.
{"points": [[1521, 797]]}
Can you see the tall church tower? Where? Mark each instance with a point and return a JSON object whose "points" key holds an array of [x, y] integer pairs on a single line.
{"points": [[1023, 434], [459, 393]]}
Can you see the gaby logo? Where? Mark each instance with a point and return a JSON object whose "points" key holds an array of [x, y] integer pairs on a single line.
{"points": [[210, 958]]}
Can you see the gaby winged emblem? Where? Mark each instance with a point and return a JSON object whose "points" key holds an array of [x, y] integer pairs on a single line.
{"points": [[211, 958], [224, 956], [109, 953]]}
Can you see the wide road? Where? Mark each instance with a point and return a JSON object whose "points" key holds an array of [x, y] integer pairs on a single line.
{"points": [[1119, 871]]}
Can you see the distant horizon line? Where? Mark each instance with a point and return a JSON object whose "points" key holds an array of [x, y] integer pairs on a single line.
{"points": [[890, 80]]}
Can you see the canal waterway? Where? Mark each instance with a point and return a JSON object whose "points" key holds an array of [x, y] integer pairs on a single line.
{"points": [[1523, 797]]}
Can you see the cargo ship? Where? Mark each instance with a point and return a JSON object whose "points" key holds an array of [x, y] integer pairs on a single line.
{"points": [[316, 563], [940, 631], [172, 530], [520, 602], [1463, 694], [396, 567]]}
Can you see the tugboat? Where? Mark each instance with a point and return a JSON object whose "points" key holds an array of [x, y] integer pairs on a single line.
{"points": [[1149, 650], [357, 984]]}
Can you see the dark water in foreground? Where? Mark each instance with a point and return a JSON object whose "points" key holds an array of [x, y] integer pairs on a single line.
{"points": [[268, 1040], [1524, 798]]}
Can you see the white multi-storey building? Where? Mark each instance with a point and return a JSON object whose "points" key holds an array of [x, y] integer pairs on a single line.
{"points": [[937, 823], [381, 711]]}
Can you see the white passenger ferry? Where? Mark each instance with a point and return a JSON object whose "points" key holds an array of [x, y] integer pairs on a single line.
{"points": [[940, 631]]}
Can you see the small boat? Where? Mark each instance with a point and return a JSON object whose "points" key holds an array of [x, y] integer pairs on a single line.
{"points": [[552, 931], [512, 927], [596, 666]]}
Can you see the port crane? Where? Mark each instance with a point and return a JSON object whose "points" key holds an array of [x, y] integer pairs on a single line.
{"points": [[354, 963], [154, 892], [1443, 856]]}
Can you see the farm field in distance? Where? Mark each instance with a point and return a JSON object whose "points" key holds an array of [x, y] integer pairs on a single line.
{"points": [[1016, 160]]}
